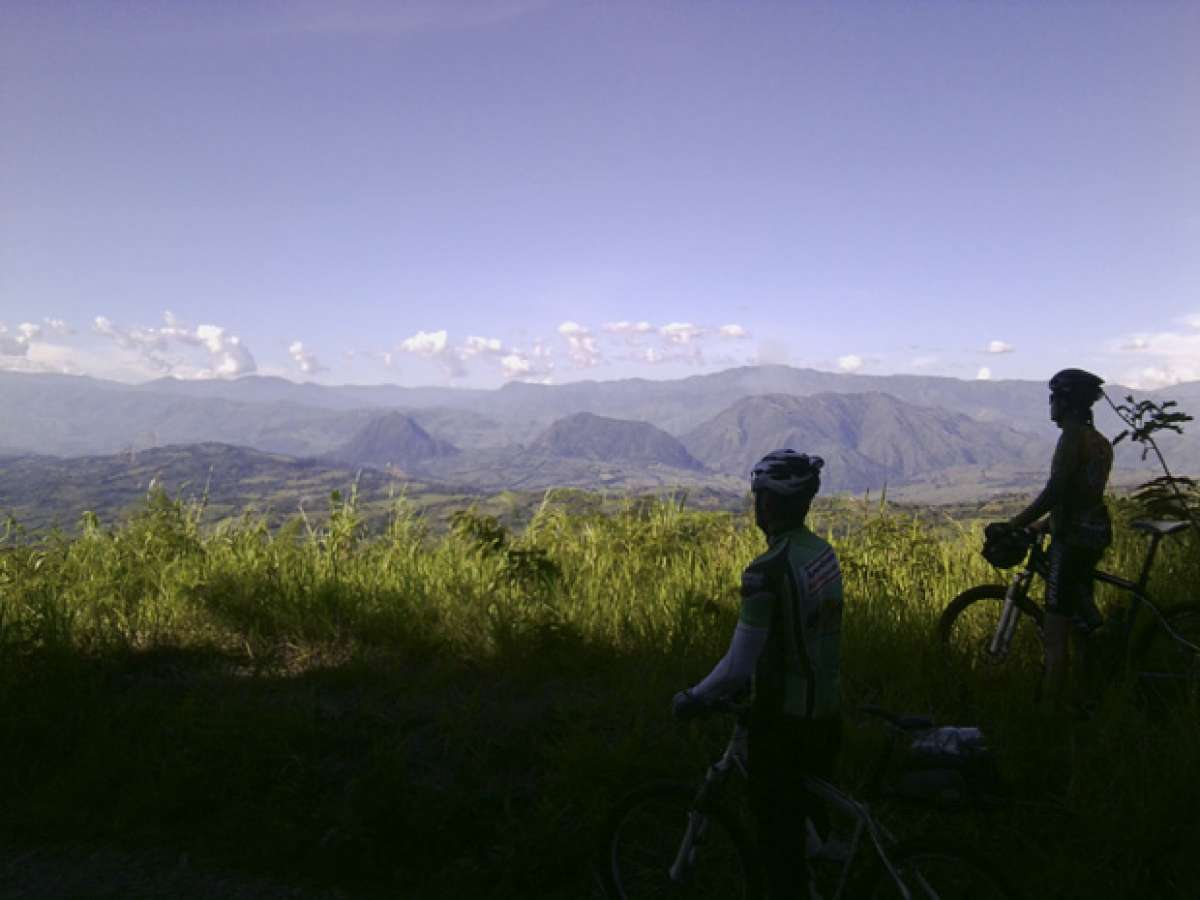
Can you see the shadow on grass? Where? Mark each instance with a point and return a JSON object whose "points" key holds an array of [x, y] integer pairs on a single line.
{"points": [[365, 769], [381, 772]]}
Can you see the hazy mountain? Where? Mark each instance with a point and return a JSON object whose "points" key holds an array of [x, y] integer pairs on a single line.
{"points": [[392, 439], [67, 415], [72, 415], [272, 389], [865, 439], [618, 441]]}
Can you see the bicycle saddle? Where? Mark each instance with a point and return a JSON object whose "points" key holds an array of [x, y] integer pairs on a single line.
{"points": [[1162, 526]]}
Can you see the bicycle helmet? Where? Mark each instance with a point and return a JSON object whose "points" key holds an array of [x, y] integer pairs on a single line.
{"points": [[1077, 387], [787, 473]]}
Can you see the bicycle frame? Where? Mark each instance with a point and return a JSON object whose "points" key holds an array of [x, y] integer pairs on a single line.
{"points": [[734, 759], [1037, 564]]}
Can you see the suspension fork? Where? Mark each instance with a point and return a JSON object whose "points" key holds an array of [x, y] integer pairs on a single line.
{"points": [[698, 819], [1010, 614]]}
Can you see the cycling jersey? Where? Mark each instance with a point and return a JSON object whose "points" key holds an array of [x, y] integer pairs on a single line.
{"points": [[1074, 494], [794, 590]]}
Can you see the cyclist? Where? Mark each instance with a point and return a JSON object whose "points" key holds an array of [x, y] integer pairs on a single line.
{"points": [[787, 646], [1080, 528]]}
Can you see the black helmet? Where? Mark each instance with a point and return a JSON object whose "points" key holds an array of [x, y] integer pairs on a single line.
{"points": [[787, 473], [1077, 387]]}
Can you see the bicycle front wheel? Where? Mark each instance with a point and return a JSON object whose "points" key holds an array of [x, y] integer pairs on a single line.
{"points": [[943, 871], [969, 622], [1167, 668], [657, 844]]}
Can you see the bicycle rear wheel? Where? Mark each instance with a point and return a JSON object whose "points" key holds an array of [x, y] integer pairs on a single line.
{"points": [[940, 871], [644, 835], [1167, 669], [969, 621]]}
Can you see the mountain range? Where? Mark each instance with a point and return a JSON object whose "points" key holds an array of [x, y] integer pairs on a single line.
{"points": [[914, 433]]}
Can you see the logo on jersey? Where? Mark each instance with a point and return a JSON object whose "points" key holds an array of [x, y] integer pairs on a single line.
{"points": [[822, 571]]}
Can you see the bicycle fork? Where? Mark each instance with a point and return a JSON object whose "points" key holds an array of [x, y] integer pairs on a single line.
{"points": [[697, 824], [1009, 616]]}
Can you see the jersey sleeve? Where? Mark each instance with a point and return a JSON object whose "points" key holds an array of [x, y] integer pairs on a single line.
{"points": [[757, 596]]}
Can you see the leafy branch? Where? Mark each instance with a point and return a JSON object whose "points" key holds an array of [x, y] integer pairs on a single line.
{"points": [[1145, 418]]}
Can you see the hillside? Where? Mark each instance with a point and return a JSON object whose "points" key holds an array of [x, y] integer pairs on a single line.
{"points": [[42, 492], [588, 436], [865, 439], [390, 440], [76, 416]]}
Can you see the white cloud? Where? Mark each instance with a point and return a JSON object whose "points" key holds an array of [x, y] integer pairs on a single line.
{"points": [[227, 356], [850, 362], [681, 332], [305, 359], [529, 365], [999, 347], [435, 345], [581, 345], [532, 365], [425, 343], [1164, 357], [480, 346], [736, 332], [984, 374]]}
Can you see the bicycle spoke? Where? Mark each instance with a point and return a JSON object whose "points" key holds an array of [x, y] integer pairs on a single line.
{"points": [[646, 842], [932, 874]]}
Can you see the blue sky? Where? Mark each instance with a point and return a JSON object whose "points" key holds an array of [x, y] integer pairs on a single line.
{"points": [[466, 192]]}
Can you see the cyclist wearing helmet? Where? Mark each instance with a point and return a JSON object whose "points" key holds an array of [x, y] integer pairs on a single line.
{"points": [[787, 645], [1080, 528]]}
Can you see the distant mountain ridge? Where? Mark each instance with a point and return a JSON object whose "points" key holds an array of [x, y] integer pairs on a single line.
{"points": [[589, 436], [78, 416], [392, 439], [867, 440]]}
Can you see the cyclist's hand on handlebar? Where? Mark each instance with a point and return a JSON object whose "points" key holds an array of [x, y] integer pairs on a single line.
{"points": [[995, 531], [685, 705]]}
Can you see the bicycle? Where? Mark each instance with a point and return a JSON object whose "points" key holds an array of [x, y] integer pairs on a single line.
{"points": [[672, 839], [984, 621]]}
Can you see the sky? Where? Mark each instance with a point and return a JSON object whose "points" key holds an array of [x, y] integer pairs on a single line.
{"points": [[467, 192]]}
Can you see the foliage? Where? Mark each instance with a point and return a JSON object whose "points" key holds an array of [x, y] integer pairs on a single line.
{"points": [[450, 714], [1169, 495]]}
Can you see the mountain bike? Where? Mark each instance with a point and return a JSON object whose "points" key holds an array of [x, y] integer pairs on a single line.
{"points": [[993, 623], [674, 839]]}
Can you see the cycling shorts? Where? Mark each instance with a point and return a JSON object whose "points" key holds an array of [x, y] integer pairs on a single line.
{"points": [[1070, 589]]}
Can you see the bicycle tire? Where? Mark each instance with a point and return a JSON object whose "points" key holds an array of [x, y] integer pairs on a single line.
{"points": [[981, 605], [944, 871], [1165, 669], [642, 837]]}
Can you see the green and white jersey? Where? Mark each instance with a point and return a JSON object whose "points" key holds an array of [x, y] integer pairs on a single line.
{"points": [[795, 591]]}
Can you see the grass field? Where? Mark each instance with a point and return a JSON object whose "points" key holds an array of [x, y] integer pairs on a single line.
{"points": [[449, 715]]}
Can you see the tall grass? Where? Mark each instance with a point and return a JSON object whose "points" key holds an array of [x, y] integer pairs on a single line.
{"points": [[449, 715]]}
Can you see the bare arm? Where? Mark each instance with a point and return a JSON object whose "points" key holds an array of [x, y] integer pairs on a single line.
{"points": [[1066, 456]]}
